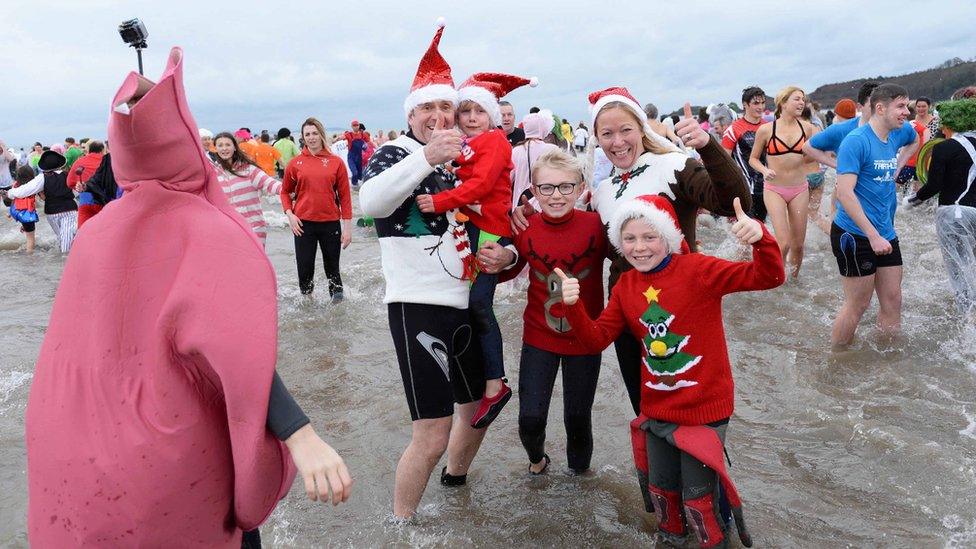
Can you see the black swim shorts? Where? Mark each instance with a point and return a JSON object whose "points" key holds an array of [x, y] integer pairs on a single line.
{"points": [[440, 359], [855, 256], [906, 175]]}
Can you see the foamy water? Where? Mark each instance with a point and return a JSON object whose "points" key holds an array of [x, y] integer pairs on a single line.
{"points": [[873, 446]]}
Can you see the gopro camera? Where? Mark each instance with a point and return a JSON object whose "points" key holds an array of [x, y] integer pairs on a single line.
{"points": [[134, 33]]}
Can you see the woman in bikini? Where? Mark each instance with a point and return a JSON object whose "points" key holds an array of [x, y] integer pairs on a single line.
{"points": [[786, 192]]}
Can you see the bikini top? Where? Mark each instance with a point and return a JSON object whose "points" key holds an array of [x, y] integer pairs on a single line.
{"points": [[777, 146]]}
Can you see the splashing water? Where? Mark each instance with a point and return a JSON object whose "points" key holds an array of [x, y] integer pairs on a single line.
{"points": [[872, 446]]}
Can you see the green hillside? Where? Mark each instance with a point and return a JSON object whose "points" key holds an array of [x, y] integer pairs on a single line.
{"points": [[937, 83]]}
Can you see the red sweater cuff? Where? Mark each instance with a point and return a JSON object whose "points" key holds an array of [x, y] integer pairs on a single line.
{"points": [[440, 202]]}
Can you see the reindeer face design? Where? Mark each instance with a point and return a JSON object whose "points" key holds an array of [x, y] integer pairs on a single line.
{"points": [[554, 283]]}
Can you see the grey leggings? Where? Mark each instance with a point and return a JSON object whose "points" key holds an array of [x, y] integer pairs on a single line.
{"points": [[671, 469], [537, 376]]}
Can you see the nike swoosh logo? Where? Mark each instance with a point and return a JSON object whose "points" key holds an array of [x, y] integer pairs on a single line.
{"points": [[437, 349]]}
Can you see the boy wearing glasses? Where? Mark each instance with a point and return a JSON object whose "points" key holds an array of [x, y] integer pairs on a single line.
{"points": [[574, 241], [739, 138]]}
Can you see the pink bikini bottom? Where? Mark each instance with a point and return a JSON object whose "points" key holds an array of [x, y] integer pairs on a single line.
{"points": [[788, 193]]}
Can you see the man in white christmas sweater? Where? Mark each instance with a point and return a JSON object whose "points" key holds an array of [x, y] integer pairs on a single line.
{"points": [[426, 295]]}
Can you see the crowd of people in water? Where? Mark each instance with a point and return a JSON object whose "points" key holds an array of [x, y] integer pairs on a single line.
{"points": [[467, 197]]}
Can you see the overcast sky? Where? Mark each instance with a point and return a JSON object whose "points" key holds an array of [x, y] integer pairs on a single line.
{"points": [[262, 65]]}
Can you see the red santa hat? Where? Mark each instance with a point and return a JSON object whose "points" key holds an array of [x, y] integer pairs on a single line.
{"points": [[487, 88], [617, 94], [433, 81], [656, 211]]}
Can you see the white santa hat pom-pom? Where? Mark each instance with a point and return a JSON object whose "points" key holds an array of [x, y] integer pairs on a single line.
{"points": [[534, 81], [441, 22]]}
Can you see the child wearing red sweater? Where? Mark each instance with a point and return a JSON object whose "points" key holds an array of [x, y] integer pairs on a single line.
{"points": [[484, 197], [576, 241], [674, 300]]}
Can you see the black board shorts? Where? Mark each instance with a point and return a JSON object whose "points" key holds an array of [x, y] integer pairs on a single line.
{"points": [[854, 254], [440, 359]]}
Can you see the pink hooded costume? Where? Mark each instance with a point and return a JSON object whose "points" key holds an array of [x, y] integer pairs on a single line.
{"points": [[146, 417]]}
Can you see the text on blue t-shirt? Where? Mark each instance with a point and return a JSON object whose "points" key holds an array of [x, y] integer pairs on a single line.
{"points": [[875, 163]]}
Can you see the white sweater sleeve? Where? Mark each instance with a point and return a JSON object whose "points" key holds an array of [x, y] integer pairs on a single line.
{"points": [[30, 188], [382, 194]]}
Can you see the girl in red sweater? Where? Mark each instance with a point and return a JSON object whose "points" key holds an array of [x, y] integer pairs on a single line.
{"points": [[484, 198], [672, 300]]}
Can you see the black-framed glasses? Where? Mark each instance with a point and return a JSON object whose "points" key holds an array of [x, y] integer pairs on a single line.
{"points": [[547, 189]]}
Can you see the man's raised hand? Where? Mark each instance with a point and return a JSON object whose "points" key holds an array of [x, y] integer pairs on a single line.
{"points": [[444, 145]]}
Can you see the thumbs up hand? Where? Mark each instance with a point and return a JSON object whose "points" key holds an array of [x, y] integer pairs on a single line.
{"points": [[570, 287], [745, 228], [689, 131], [444, 145]]}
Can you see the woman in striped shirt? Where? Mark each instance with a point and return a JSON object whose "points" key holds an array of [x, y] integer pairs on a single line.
{"points": [[243, 182]]}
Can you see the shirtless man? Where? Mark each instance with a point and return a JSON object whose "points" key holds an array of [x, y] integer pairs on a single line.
{"points": [[659, 128]]}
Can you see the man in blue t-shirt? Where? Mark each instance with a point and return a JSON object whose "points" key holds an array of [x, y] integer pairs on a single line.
{"points": [[863, 235], [828, 141]]}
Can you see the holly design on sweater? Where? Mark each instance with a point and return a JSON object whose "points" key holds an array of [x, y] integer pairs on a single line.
{"points": [[663, 356], [623, 180]]}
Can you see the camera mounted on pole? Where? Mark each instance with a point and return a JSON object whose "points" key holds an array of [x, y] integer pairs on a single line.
{"points": [[134, 34]]}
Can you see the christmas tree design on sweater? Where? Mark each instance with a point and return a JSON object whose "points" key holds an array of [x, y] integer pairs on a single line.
{"points": [[663, 357], [416, 226]]}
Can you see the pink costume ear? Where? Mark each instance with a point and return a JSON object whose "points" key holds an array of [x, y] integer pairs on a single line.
{"points": [[133, 89], [136, 86], [154, 137], [156, 141]]}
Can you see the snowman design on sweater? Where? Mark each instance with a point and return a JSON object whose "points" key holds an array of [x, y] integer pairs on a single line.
{"points": [[663, 356]]}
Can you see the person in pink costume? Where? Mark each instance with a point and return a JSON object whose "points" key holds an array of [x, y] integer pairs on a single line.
{"points": [[148, 417]]}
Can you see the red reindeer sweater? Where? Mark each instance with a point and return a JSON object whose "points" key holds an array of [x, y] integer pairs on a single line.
{"points": [[577, 244]]}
